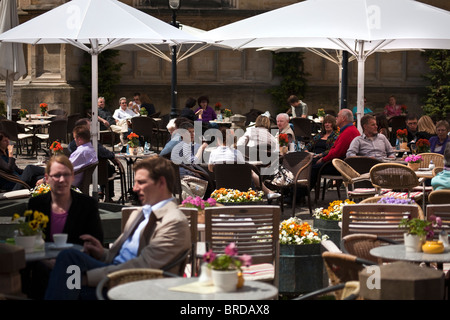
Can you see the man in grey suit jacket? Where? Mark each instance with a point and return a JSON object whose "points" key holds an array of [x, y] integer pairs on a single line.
{"points": [[154, 236]]}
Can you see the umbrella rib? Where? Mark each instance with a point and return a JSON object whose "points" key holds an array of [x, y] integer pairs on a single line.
{"points": [[153, 50], [323, 54], [190, 52]]}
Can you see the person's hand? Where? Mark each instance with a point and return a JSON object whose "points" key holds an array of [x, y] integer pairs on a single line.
{"points": [[317, 156], [319, 161], [106, 123], [199, 112], [10, 150], [40, 181], [92, 246]]}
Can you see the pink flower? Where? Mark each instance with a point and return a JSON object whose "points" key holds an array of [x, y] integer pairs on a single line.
{"points": [[209, 256], [231, 250], [246, 260]]}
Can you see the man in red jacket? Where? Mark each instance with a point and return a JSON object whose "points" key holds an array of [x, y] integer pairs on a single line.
{"points": [[347, 133]]}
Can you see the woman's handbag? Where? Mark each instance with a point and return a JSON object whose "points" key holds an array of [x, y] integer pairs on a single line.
{"points": [[193, 186], [283, 177]]}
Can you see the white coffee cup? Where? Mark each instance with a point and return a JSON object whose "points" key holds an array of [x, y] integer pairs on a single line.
{"points": [[60, 239]]}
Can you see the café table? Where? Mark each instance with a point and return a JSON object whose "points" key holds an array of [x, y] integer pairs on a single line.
{"points": [[398, 252], [130, 160], [35, 126], [180, 288], [50, 252]]}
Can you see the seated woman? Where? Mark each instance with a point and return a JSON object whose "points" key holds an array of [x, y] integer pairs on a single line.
{"points": [[259, 134], [438, 142], [425, 128], [68, 211], [383, 126], [225, 153], [8, 162], [442, 179], [321, 144]]}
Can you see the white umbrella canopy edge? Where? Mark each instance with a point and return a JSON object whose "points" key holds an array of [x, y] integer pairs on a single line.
{"points": [[360, 27], [65, 24], [12, 62]]}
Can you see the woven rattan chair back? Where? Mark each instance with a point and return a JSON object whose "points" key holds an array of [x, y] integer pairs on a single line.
{"points": [[375, 199], [360, 244], [381, 219], [86, 181], [441, 196], [438, 159], [349, 177], [436, 170], [346, 171], [362, 164], [192, 216], [393, 176], [234, 176]]}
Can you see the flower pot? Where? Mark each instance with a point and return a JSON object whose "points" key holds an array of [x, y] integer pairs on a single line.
{"points": [[413, 242], [225, 281], [27, 242], [205, 275], [39, 244], [133, 151], [301, 269], [23, 119], [330, 228], [404, 146], [433, 247], [414, 166], [284, 150]]}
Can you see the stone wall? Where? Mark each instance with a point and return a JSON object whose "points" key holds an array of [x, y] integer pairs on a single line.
{"points": [[236, 79]]}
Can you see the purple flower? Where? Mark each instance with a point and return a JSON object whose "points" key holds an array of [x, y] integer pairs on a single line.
{"points": [[211, 201], [231, 250], [246, 260]]}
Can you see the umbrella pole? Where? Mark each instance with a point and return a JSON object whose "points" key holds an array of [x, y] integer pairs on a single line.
{"points": [[360, 95], [94, 122], [9, 92]]}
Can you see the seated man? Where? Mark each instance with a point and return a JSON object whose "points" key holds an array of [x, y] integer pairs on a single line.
{"points": [[411, 126], [105, 117], [284, 127], [122, 116], [442, 179], [370, 143], [154, 236], [348, 132]]}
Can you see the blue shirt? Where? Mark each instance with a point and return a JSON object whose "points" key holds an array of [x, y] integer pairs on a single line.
{"points": [[131, 245], [83, 156]]}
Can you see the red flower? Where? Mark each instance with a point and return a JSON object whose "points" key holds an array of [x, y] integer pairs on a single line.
{"points": [[283, 139], [56, 146]]}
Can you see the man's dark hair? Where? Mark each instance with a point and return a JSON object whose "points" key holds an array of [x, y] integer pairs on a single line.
{"points": [[158, 167]]}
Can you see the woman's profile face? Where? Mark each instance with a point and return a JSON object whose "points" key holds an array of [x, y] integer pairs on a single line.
{"points": [[4, 143]]}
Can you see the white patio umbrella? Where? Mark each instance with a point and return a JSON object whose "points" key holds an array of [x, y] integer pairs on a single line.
{"points": [[360, 27], [12, 60], [95, 26]]}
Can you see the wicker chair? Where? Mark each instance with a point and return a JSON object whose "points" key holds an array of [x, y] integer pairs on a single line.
{"points": [[441, 196], [436, 170], [13, 178], [128, 275], [349, 291], [393, 176], [350, 176], [438, 159], [330, 177], [342, 267], [86, 181], [375, 199], [360, 244]]}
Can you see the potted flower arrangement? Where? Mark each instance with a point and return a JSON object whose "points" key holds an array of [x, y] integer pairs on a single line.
{"points": [[283, 140], [326, 220], [402, 136], [43, 188], [226, 269], [23, 114], [200, 204], [143, 112], [301, 264], [235, 197], [422, 146], [56, 148], [403, 108], [217, 107], [133, 143], [29, 229], [320, 114], [44, 107], [414, 161], [417, 231], [227, 114]]}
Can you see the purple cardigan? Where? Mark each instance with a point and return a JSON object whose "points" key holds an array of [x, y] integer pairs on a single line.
{"points": [[434, 141], [208, 114]]}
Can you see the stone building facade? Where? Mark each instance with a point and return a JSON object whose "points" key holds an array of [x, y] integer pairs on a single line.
{"points": [[237, 79]]}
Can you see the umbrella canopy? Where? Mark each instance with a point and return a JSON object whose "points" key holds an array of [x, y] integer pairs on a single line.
{"points": [[95, 26], [360, 27], [12, 62]]}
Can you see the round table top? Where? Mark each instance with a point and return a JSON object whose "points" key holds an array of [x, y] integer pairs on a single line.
{"points": [[398, 252], [50, 252], [34, 122], [163, 289]]}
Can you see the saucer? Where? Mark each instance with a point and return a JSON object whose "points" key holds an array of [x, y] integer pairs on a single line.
{"points": [[67, 245], [424, 169]]}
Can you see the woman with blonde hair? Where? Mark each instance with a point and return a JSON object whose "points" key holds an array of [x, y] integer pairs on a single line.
{"points": [[259, 134], [425, 128]]}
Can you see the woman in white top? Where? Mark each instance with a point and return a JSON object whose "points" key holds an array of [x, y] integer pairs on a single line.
{"points": [[259, 134], [225, 153]]}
